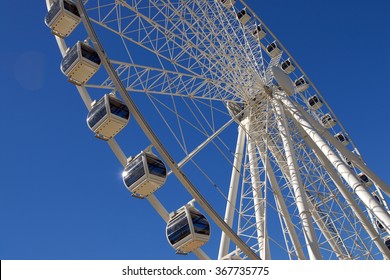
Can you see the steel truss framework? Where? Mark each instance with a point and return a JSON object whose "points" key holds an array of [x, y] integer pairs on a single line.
{"points": [[192, 67]]}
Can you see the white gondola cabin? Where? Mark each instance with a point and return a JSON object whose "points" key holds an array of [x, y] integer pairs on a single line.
{"points": [[144, 174], [348, 162], [327, 121], [62, 18], [108, 117], [273, 49], [259, 32], [80, 63], [243, 16], [314, 102], [301, 84], [375, 195], [187, 229], [287, 66], [380, 226], [342, 139], [228, 3], [364, 179]]}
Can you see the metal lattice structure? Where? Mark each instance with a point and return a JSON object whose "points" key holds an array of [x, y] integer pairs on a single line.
{"points": [[199, 78]]}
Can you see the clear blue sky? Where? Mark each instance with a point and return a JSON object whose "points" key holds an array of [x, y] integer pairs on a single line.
{"points": [[61, 195]]}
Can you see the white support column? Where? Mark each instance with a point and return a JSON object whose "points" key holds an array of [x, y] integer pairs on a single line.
{"points": [[344, 151], [365, 222], [281, 203], [233, 189], [349, 176], [258, 200], [299, 192]]}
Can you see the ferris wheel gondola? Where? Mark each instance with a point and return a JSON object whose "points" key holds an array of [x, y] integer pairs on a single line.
{"points": [[288, 66], [228, 3], [273, 49], [62, 18], [259, 32], [187, 229], [144, 174], [243, 16], [328, 121], [342, 138], [108, 117], [80, 63], [314, 102], [364, 179], [301, 84]]}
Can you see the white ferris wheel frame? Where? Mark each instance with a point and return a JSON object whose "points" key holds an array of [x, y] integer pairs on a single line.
{"points": [[316, 137]]}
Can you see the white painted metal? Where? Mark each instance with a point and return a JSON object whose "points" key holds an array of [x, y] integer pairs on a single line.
{"points": [[221, 63], [280, 202], [233, 190], [348, 196], [283, 80], [257, 189], [296, 182], [341, 167], [347, 153]]}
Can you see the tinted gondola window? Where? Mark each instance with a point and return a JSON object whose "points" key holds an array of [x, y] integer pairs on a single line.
{"points": [[71, 7], [90, 54], [53, 12], [299, 82], [97, 113], [156, 167], [178, 229], [387, 242], [313, 100], [119, 109], [271, 47], [69, 59], [201, 224], [134, 171]]}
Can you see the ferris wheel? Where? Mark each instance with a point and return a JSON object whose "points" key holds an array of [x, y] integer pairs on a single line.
{"points": [[232, 118]]}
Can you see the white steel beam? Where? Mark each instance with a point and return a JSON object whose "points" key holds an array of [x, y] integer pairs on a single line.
{"points": [[279, 199], [233, 189], [349, 176], [296, 182], [279, 157], [365, 222], [202, 145], [344, 151], [258, 199]]}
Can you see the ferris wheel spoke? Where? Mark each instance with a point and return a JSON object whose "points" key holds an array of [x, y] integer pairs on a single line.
{"points": [[209, 35], [144, 79], [219, 72], [137, 25]]}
